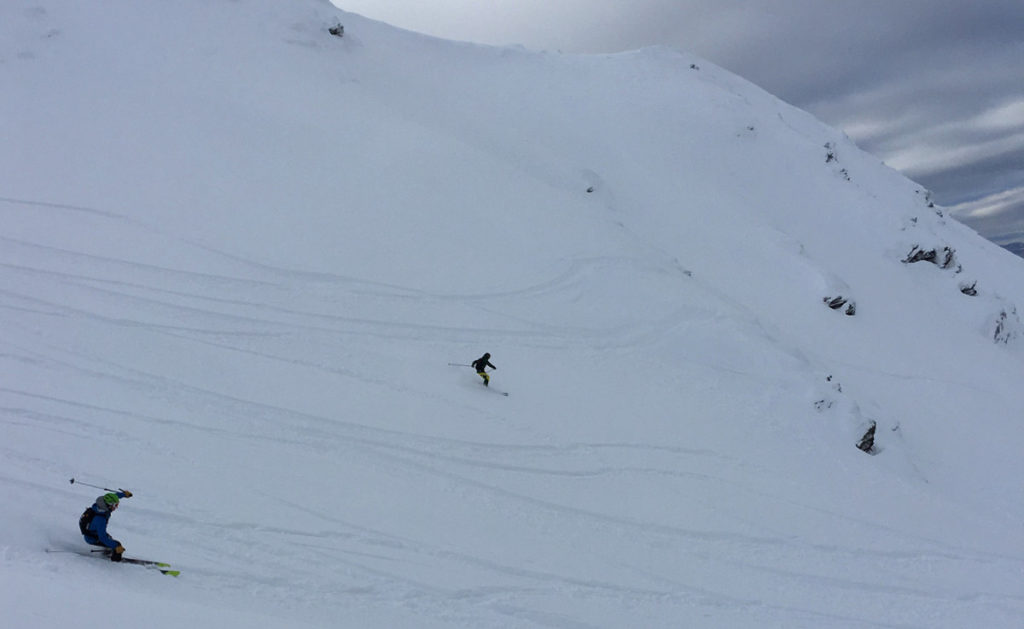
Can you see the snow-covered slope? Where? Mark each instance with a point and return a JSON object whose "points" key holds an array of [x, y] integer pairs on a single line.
{"points": [[238, 254]]}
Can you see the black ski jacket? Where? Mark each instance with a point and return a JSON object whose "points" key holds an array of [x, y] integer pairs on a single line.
{"points": [[480, 363]]}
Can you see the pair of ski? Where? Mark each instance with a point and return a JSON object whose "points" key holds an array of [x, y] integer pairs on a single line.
{"points": [[161, 567]]}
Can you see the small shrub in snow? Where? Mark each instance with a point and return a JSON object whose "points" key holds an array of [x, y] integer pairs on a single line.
{"points": [[1007, 325], [837, 302], [830, 153], [867, 442], [917, 254], [946, 258]]}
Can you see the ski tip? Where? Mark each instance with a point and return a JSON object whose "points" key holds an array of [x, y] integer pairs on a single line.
{"points": [[172, 573]]}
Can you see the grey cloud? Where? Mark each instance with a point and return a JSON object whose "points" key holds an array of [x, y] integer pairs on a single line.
{"points": [[999, 217]]}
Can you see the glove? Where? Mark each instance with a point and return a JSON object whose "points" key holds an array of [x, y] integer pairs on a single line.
{"points": [[127, 494], [116, 555]]}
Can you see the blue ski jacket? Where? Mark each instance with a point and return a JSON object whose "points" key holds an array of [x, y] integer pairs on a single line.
{"points": [[93, 524]]}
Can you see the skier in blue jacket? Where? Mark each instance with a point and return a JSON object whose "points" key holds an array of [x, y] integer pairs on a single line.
{"points": [[93, 522]]}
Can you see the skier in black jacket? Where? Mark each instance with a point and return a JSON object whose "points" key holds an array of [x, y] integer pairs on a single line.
{"points": [[481, 364]]}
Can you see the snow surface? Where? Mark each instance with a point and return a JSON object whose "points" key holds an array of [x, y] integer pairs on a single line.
{"points": [[237, 255]]}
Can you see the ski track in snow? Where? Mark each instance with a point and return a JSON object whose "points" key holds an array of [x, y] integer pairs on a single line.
{"points": [[241, 314]]}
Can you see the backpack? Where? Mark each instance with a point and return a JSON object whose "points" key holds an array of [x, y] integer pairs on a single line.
{"points": [[86, 520]]}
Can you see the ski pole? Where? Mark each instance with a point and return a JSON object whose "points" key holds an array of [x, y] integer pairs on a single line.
{"points": [[94, 486], [458, 365]]}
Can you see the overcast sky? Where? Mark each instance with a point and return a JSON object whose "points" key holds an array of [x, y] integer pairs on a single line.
{"points": [[935, 88]]}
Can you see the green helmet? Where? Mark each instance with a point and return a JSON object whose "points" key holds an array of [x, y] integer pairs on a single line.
{"points": [[111, 499]]}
